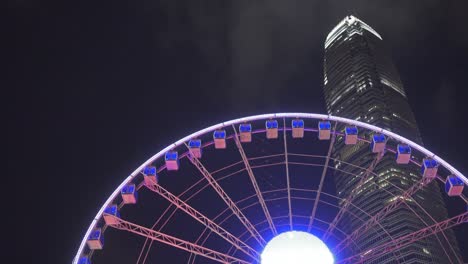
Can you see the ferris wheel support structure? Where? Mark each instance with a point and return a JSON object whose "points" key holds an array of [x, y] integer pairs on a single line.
{"points": [[381, 214], [351, 196], [229, 202], [173, 241], [236, 242], [254, 182], [322, 179]]}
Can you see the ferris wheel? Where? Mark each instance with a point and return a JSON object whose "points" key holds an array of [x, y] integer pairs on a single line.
{"points": [[222, 193]]}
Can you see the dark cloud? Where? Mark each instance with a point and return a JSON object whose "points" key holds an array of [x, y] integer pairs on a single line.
{"points": [[257, 46]]}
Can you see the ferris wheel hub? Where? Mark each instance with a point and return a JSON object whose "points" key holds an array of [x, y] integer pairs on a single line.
{"points": [[296, 247]]}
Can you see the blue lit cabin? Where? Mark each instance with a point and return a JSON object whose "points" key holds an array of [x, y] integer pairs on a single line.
{"points": [[403, 154], [96, 239], [110, 214], [429, 168], [297, 128], [378, 143], [271, 129], [150, 175], [129, 194], [219, 137], [172, 160], [324, 128], [453, 186], [351, 135], [245, 131], [84, 260], [195, 148]]}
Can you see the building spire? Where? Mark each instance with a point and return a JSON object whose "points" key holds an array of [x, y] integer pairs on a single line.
{"points": [[348, 21]]}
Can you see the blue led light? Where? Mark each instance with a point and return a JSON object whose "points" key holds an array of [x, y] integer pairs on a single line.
{"points": [[95, 234], [150, 171], [324, 125], [219, 134], [111, 210], [194, 143], [379, 138], [128, 189], [245, 128], [351, 130], [270, 124], [430, 163], [404, 149], [172, 155], [455, 181], [84, 260], [298, 123]]}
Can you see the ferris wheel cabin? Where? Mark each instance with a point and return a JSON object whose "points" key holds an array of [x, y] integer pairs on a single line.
{"points": [[324, 128], [403, 154], [96, 239], [110, 214], [351, 135], [172, 160], [195, 148], [271, 129], [378, 143], [454, 186], [150, 175], [429, 168], [297, 128], [129, 194], [245, 131], [219, 137]]}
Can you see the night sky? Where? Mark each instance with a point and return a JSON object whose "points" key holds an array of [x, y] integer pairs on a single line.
{"points": [[94, 88]]}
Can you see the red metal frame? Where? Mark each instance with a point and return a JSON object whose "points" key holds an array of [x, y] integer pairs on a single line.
{"points": [[175, 242], [229, 202], [254, 183], [351, 196], [236, 242], [322, 179], [381, 215]]}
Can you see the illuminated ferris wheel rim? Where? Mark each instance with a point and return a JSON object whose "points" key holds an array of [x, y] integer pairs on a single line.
{"points": [[199, 133]]}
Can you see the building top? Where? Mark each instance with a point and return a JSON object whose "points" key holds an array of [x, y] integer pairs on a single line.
{"points": [[346, 23]]}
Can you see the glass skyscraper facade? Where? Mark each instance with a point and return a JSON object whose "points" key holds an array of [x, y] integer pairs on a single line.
{"points": [[361, 83]]}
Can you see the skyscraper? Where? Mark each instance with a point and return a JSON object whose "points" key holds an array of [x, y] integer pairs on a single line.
{"points": [[361, 83]]}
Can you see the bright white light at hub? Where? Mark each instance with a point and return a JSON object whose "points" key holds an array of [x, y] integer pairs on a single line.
{"points": [[298, 248]]}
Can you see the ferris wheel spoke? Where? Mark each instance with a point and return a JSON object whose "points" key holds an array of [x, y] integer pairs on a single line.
{"points": [[405, 240], [254, 182], [150, 243], [437, 237], [173, 241], [410, 208], [322, 178], [382, 213], [287, 173], [351, 196], [208, 223], [229, 202]]}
